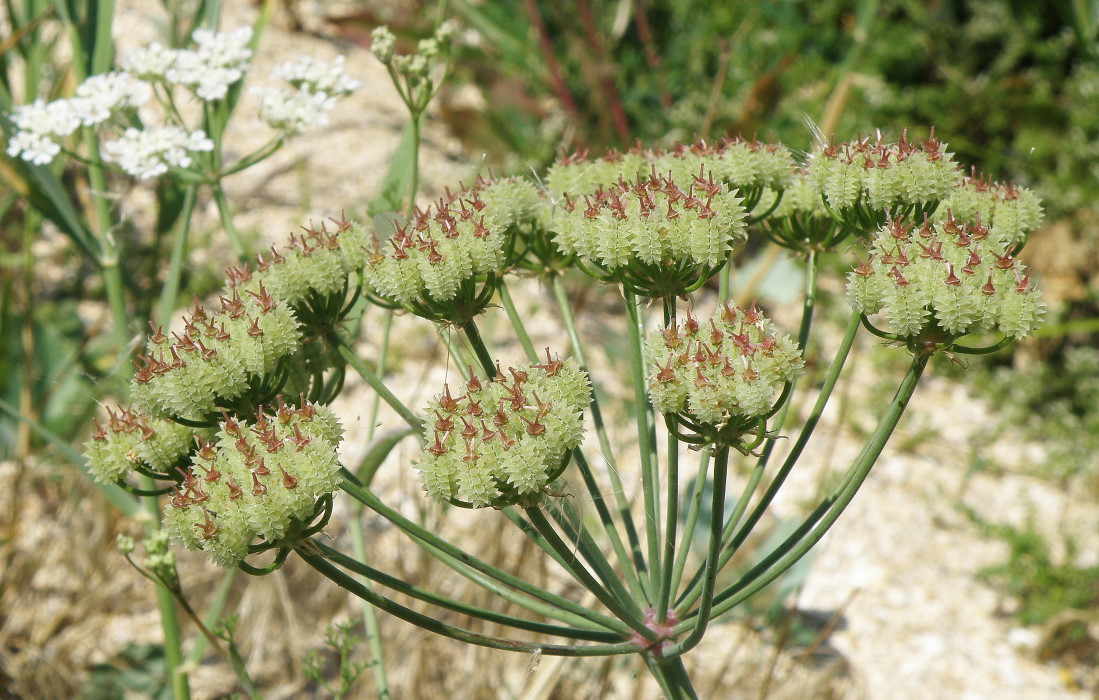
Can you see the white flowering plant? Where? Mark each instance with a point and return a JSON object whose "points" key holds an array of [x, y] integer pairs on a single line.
{"points": [[231, 437]]}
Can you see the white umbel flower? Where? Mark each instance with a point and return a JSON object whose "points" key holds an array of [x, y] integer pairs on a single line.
{"points": [[150, 62], [40, 126], [150, 153], [99, 97], [313, 76], [219, 60], [294, 111]]}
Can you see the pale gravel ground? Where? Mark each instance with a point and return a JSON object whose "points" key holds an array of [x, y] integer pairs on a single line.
{"points": [[917, 623]]}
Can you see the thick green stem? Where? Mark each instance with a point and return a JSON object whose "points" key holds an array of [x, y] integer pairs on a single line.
{"points": [[414, 168], [671, 526], [516, 320], [691, 521], [108, 250], [625, 610], [713, 552], [357, 566], [536, 606], [630, 570], [380, 388], [671, 676], [576, 531], [430, 539], [646, 440], [479, 348]]}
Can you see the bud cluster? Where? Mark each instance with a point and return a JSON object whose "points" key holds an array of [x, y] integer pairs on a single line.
{"points": [[132, 439], [952, 274], [1009, 211], [317, 261], [412, 73], [216, 355], [507, 438], [722, 370], [457, 239], [652, 219], [881, 175], [255, 480]]}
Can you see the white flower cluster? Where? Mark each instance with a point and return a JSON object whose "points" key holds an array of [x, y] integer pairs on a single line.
{"points": [[311, 75], [149, 153], [40, 126], [217, 61], [316, 86]]}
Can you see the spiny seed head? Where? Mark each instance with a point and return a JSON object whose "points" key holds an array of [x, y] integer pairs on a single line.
{"points": [[882, 174], [241, 495], [215, 357], [130, 438], [316, 260], [735, 368], [950, 273], [518, 434], [653, 220], [452, 241], [1008, 211]]}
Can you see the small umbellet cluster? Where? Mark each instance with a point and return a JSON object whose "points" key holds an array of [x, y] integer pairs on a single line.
{"points": [[214, 359], [504, 439], [652, 219], [444, 246], [450, 251], [255, 479], [861, 179], [130, 440], [727, 368], [1008, 210], [951, 277], [738, 163], [315, 262]]}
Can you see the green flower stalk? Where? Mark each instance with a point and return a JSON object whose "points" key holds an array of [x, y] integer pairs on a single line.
{"points": [[725, 371], [1010, 212], [943, 280], [132, 440], [861, 180], [504, 440], [256, 480], [653, 235]]}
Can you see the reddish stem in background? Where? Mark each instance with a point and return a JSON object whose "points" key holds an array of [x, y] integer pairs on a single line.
{"points": [[651, 56], [554, 68], [618, 115]]}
